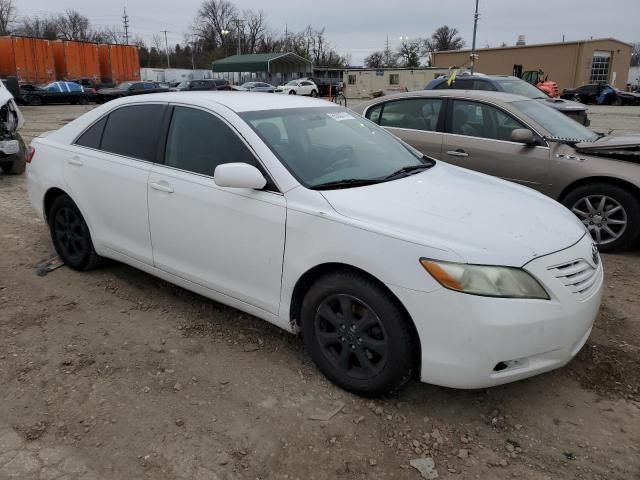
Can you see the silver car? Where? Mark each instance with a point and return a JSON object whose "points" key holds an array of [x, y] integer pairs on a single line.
{"points": [[525, 141], [258, 87]]}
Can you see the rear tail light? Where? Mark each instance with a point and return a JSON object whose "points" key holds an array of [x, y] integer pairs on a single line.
{"points": [[30, 153]]}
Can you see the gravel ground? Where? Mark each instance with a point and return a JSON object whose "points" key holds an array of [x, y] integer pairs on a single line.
{"points": [[114, 374]]}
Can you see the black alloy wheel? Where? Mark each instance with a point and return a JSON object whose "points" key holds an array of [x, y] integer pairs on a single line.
{"points": [[358, 335], [71, 236]]}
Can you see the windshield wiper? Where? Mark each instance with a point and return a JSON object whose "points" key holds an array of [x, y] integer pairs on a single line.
{"points": [[345, 183], [409, 170]]}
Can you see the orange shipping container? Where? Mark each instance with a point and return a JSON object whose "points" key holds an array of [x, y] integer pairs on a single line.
{"points": [[119, 63], [76, 60], [30, 59]]}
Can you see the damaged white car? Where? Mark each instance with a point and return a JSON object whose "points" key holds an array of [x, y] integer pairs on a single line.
{"points": [[12, 148]]}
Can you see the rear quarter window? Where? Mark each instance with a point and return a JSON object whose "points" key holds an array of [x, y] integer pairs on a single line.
{"points": [[93, 135]]}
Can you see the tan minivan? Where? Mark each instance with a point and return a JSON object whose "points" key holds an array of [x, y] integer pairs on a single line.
{"points": [[518, 139]]}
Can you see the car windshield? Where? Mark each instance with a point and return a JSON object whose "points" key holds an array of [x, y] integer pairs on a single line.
{"points": [[124, 85], [331, 144], [520, 87], [292, 83], [559, 126], [184, 84], [248, 85]]}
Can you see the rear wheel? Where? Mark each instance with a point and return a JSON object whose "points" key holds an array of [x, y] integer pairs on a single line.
{"points": [[611, 214], [71, 236], [357, 335], [292, 92], [34, 100], [616, 100], [83, 100], [314, 93]]}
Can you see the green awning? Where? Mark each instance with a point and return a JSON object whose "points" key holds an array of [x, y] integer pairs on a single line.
{"points": [[263, 62]]}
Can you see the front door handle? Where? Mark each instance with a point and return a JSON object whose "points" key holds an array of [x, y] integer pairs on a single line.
{"points": [[457, 153], [162, 186], [75, 161]]}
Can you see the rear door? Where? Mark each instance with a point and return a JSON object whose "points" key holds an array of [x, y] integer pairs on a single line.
{"points": [[478, 137], [417, 121], [107, 170]]}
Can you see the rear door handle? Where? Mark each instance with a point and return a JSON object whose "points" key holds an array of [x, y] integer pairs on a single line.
{"points": [[75, 161], [457, 153], [162, 186]]}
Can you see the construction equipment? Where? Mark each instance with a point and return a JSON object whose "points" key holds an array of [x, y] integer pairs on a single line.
{"points": [[537, 78]]}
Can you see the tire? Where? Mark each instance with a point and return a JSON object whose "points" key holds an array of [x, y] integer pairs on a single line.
{"points": [[617, 101], [71, 236], [292, 92], [83, 100], [327, 333], [577, 98], [15, 164], [314, 93], [34, 100], [629, 212]]}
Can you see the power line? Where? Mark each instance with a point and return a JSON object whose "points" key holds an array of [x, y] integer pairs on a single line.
{"points": [[125, 24]]}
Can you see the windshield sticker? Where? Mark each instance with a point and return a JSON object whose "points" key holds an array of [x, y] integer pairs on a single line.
{"points": [[341, 116]]}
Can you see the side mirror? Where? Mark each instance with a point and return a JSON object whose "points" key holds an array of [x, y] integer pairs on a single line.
{"points": [[522, 135], [238, 175]]}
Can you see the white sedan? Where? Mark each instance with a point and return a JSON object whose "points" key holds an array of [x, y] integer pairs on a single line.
{"points": [[299, 87], [390, 264]]}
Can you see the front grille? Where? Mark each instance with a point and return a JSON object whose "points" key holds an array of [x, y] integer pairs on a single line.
{"points": [[578, 276]]}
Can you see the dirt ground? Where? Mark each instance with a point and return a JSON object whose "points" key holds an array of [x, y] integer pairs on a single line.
{"points": [[114, 374]]}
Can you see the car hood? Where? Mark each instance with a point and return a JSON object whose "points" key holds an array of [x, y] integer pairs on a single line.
{"points": [[109, 91], [482, 219], [611, 142], [562, 105]]}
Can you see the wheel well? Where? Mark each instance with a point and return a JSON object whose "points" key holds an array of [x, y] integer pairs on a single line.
{"points": [[635, 191], [310, 277], [49, 198]]}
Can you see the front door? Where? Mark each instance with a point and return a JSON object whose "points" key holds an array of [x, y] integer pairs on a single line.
{"points": [[227, 239], [478, 137], [414, 120]]}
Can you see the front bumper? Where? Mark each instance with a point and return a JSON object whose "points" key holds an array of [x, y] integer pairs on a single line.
{"points": [[472, 341]]}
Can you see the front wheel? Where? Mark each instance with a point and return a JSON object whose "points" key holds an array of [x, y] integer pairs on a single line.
{"points": [[577, 98], [314, 93], [34, 100], [71, 236], [357, 334], [292, 92], [609, 212], [617, 101], [83, 100]]}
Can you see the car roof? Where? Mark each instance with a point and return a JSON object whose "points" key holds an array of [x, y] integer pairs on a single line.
{"points": [[452, 92], [236, 101]]}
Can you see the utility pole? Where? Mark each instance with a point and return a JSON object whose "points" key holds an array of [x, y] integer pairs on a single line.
{"points": [[166, 46], [238, 22], [125, 25], [193, 46], [286, 38], [475, 30]]}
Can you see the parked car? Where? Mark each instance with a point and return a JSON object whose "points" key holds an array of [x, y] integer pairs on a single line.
{"points": [[89, 82], [600, 94], [299, 87], [191, 85], [56, 92], [258, 87], [515, 85], [305, 215], [522, 140], [126, 89], [12, 148]]}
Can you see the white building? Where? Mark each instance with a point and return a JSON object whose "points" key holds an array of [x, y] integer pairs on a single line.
{"points": [[170, 75]]}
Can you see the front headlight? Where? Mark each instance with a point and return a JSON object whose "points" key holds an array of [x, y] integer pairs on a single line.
{"points": [[490, 281]]}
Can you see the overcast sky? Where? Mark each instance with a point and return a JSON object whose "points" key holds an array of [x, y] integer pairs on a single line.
{"points": [[358, 27]]}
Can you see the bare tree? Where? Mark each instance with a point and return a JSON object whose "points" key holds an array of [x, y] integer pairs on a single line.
{"points": [[444, 38], [214, 18], [375, 60], [7, 16], [409, 51], [73, 26], [256, 26], [110, 34], [41, 27]]}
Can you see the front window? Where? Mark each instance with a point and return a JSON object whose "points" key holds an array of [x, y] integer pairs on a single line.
{"points": [[474, 119], [292, 83], [124, 85], [557, 124], [330, 144], [184, 84], [520, 87]]}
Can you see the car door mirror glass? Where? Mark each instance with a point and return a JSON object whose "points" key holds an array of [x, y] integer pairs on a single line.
{"points": [[238, 175], [522, 135]]}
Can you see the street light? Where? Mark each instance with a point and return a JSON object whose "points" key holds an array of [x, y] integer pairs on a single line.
{"points": [[224, 34]]}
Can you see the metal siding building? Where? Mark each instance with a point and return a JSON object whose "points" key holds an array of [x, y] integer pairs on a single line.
{"points": [[273, 68], [363, 82], [569, 64]]}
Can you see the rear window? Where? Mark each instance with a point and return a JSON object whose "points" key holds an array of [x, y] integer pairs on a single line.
{"points": [[92, 136], [134, 131]]}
